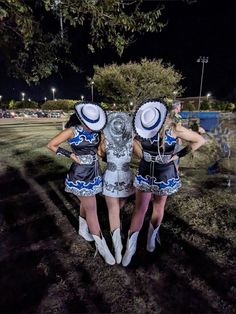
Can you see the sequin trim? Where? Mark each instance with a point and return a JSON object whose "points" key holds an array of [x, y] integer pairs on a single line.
{"points": [[81, 135], [149, 184], [81, 188]]}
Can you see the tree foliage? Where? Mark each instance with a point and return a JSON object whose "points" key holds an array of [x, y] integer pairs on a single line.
{"points": [[33, 52], [23, 104], [223, 106], [206, 104], [60, 104], [189, 106], [133, 82]]}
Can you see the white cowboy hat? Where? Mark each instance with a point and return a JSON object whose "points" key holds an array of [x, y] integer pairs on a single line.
{"points": [[149, 118], [92, 115]]}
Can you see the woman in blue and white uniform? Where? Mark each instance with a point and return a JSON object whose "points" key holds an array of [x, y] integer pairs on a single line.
{"points": [[84, 177], [157, 174]]}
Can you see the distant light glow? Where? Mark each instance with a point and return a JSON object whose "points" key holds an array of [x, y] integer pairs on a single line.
{"points": [[53, 89]]}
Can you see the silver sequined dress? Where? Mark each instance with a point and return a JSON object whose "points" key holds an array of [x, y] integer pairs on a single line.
{"points": [[118, 178]]}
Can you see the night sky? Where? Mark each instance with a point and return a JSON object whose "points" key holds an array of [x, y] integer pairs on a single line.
{"points": [[204, 28]]}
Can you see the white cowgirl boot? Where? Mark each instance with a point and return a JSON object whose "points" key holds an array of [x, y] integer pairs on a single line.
{"points": [[153, 236], [103, 249], [84, 230], [116, 240], [130, 248]]}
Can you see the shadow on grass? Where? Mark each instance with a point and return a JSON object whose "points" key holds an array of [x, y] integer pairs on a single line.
{"points": [[218, 277], [34, 257], [11, 183], [189, 271], [22, 284], [179, 263], [27, 277], [177, 251]]}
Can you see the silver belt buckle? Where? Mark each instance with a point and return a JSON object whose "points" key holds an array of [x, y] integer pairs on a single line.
{"points": [[158, 159], [162, 159], [147, 157], [111, 166], [125, 167], [166, 159], [86, 159]]}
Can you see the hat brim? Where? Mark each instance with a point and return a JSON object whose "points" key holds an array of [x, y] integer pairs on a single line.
{"points": [[137, 123], [94, 126]]}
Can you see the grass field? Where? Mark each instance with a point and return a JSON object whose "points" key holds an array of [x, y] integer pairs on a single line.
{"points": [[45, 267]]}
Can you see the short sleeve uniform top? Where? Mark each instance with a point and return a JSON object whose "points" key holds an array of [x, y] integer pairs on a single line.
{"points": [[84, 179], [157, 177]]}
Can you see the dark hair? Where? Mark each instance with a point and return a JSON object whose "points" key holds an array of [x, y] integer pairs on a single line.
{"points": [[73, 121]]}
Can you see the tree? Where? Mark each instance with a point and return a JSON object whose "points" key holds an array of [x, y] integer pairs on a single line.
{"points": [[219, 105], [189, 106], [61, 104], [205, 104], [23, 104], [33, 53], [230, 106], [133, 82]]}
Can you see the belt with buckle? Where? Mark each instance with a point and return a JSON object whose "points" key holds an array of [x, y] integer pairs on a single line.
{"points": [[160, 159], [87, 159], [113, 167]]}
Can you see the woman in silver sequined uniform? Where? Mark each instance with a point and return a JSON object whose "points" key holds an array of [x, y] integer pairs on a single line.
{"points": [[117, 179]]}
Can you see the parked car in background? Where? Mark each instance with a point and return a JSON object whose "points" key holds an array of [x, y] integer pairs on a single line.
{"points": [[6, 115], [55, 114], [41, 114]]}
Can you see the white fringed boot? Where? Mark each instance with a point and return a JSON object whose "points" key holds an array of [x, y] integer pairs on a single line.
{"points": [[153, 236], [84, 230], [117, 244], [130, 248], [103, 249]]}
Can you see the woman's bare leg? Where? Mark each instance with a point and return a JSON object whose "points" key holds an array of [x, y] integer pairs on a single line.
{"points": [[122, 201], [82, 212], [156, 219], [89, 205], [158, 209], [141, 206], [113, 206]]}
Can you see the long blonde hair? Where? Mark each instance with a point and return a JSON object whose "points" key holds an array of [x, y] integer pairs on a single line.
{"points": [[169, 124]]}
